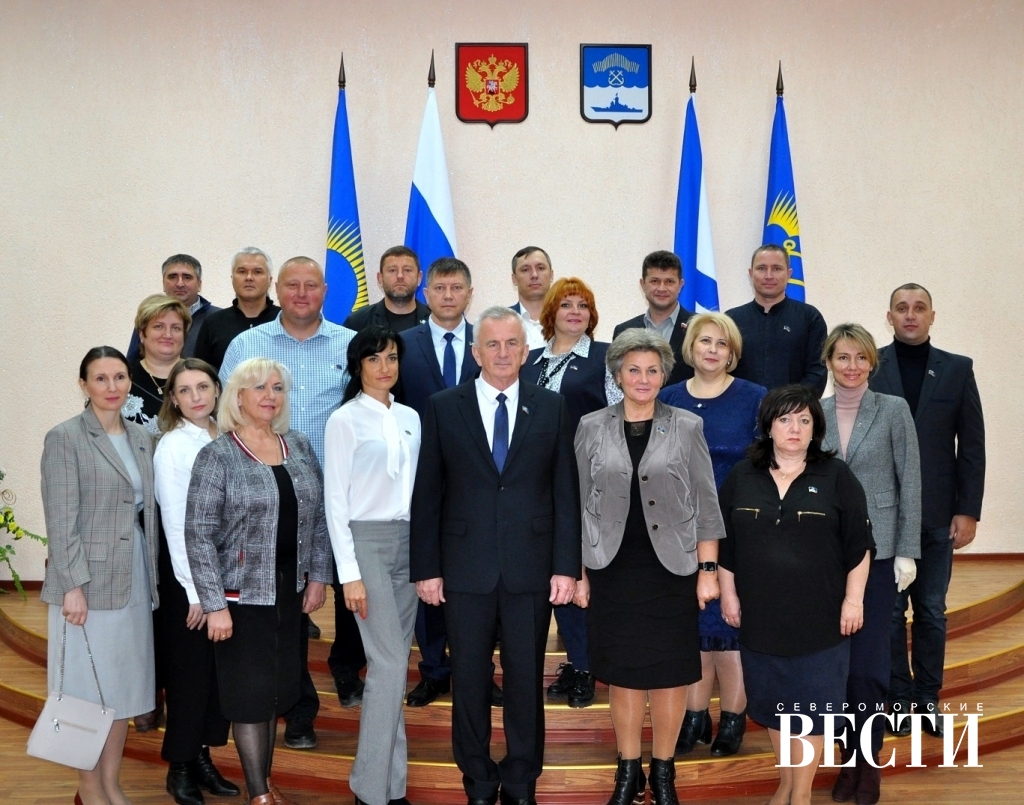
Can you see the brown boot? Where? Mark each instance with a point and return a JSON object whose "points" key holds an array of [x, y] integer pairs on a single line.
{"points": [[870, 783], [845, 787], [263, 799]]}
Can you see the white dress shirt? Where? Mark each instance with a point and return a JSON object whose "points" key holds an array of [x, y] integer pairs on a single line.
{"points": [[172, 469], [534, 330], [437, 333], [370, 454], [487, 399]]}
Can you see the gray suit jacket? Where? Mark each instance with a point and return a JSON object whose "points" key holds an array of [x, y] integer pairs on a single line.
{"points": [[883, 455], [231, 522], [677, 484], [89, 505]]}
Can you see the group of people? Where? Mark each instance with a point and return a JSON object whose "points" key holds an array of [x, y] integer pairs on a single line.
{"points": [[680, 499]]}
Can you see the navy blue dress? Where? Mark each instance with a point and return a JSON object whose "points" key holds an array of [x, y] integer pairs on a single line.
{"points": [[730, 425]]}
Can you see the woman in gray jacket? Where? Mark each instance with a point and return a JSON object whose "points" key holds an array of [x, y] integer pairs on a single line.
{"points": [[260, 556], [875, 435], [651, 522]]}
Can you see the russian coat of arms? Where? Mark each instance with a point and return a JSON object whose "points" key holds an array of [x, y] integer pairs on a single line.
{"points": [[491, 83]]}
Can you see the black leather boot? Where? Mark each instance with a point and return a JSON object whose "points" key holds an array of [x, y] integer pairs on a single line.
{"points": [[207, 776], [630, 783], [181, 785], [663, 782], [696, 729], [731, 727], [845, 787]]}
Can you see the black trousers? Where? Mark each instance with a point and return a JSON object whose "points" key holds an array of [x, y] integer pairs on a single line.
{"points": [[520, 621], [189, 676]]}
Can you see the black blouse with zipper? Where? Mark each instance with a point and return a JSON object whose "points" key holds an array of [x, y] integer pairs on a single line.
{"points": [[791, 555]]}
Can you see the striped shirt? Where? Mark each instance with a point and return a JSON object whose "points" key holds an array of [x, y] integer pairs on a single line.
{"points": [[317, 365]]}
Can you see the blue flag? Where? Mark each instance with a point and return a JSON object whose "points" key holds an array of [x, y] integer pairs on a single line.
{"points": [[345, 272], [781, 225], [430, 225], [693, 224]]}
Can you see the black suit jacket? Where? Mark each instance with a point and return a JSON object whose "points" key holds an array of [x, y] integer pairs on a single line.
{"points": [[375, 314], [680, 371], [950, 433], [471, 525], [582, 384], [419, 375]]}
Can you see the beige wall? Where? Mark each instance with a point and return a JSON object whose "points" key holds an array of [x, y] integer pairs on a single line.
{"points": [[131, 130]]}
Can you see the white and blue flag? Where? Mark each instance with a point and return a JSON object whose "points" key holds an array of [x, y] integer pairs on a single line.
{"points": [[693, 224], [430, 225]]}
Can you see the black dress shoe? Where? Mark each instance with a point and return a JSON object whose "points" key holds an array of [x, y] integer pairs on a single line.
{"points": [[558, 691], [181, 786], [509, 800], [426, 691], [483, 800], [313, 631], [497, 695], [154, 718], [731, 727], [898, 708], [932, 709], [208, 778], [402, 801], [349, 687], [299, 734], [696, 729], [582, 693]]}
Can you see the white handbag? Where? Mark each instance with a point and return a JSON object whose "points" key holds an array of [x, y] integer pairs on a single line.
{"points": [[72, 731]]}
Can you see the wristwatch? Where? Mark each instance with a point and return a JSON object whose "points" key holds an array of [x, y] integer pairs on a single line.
{"points": [[710, 567]]}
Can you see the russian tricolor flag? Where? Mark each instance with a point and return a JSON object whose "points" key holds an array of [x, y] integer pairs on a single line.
{"points": [[693, 224], [430, 225]]}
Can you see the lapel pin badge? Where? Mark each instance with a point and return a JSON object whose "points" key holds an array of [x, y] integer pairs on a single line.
{"points": [[931, 372], [525, 410], [661, 429], [813, 489], [573, 366], [786, 328]]}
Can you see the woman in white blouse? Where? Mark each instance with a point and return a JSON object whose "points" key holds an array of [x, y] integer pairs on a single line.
{"points": [[194, 722], [370, 452]]}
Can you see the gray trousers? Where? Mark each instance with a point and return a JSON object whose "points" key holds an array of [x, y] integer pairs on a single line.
{"points": [[382, 551]]}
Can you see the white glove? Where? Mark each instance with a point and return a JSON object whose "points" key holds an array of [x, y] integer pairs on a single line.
{"points": [[906, 572]]}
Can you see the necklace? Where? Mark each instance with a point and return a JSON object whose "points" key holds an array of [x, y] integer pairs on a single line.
{"points": [[159, 387], [784, 475]]}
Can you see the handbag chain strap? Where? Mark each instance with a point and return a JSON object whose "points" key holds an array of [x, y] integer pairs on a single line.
{"points": [[88, 648]]}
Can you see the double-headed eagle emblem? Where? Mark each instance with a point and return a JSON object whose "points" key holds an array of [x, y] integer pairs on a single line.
{"points": [[492, 82]]}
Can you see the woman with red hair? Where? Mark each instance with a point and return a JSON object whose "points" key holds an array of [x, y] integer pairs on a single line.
{"points": [[573, 364]]}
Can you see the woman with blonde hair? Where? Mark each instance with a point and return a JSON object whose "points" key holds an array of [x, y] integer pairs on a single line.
{"points": [[728, 406], [260, 556], [875, 434]]}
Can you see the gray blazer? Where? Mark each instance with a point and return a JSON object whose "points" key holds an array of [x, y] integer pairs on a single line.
{"points": [[883, 455], [231, 522], [89, 506], [677, 484]]}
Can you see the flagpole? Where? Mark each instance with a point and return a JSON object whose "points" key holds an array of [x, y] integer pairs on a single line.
{"points": [[341, 72], [779, 89], [431, 77]]}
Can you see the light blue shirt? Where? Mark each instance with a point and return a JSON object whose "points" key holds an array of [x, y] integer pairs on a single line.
{"points": [[317, 365], [437, 333]]}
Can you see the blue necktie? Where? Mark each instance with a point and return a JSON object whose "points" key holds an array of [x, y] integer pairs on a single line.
{"points": [[448, 367], [499, 446]]}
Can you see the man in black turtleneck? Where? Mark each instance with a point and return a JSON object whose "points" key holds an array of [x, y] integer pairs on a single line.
{"points": [[943, 396]]}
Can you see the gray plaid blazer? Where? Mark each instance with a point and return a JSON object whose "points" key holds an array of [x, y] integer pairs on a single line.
{"points": [[883, 455], [89, 505], [231, 522]]}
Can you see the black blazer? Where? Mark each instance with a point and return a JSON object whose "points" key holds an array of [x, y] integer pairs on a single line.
{"points": [[471, 525], [419, 375], [950, 433], [375, 314], [680, 371], [582, 384]]}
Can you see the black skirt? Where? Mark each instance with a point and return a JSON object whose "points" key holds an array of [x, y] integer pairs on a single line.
{"points": [[642, 619], [258, 669]]}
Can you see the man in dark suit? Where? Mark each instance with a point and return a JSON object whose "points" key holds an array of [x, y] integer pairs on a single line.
{"points": [[495, 537], [943, 397], [399, 277], [782, 337], [531, 276], [661, 280], [438, 356]]}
